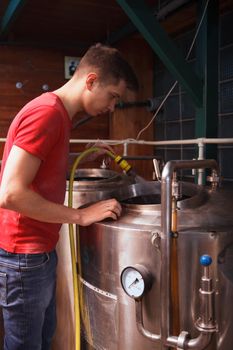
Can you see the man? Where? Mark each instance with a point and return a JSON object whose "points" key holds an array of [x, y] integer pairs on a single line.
{"points": [[33, 178]]}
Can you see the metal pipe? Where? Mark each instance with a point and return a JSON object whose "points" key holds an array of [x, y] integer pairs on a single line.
{"points": [[199, 141], [159, 143], [183, 341], [140, 326], [151, 104], [200, 157], [125, 152], [166, 214], [172, 341], [200, 342], [153, 143], [170, 8]]}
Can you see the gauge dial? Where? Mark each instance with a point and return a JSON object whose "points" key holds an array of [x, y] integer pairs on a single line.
{"points": [[135, 280]]}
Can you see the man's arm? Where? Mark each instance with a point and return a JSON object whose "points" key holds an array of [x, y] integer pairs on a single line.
{"points": [[15, 194]]}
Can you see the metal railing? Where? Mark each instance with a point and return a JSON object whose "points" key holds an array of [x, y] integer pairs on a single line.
{"points": [[200, 142]]}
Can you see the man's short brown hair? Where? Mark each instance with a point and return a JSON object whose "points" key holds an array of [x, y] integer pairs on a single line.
{"points": [[111, 65]]}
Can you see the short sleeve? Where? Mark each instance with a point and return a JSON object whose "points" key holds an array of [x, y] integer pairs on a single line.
{"points": [[38, 130]]}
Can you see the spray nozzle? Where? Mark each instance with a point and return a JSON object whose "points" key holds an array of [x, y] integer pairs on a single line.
{"points": [[123, 164]]}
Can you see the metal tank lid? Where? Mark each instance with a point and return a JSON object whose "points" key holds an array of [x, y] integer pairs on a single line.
{"points": [[97, 179], [146, 196]]}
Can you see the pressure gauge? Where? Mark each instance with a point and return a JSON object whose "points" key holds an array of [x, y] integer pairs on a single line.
{"points": [[136, 280]]}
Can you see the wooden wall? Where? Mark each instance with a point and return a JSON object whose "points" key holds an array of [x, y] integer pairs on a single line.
{"points": [[36, 67], [127, 123], [31, 67]]}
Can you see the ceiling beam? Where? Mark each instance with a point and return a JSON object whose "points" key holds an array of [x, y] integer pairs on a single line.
{"points": [[11, 13], [129, 28], [142, 17], [121, 33]]}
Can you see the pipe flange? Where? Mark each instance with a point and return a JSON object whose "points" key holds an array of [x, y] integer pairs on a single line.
{"points": [[182, 339], [211, 327]]}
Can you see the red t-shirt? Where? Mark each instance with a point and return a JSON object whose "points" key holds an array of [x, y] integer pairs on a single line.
{"points": [[42, 128]]}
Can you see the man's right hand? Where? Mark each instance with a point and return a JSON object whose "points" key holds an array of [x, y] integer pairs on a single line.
{"points": [[99, 211]]}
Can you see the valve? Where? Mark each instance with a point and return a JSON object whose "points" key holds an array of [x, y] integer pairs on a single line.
{"points": [[157, 169], [206, 322], [214, 179]]}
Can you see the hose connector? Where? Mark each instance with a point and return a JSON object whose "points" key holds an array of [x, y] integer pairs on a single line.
{"points": [[123, 163]]}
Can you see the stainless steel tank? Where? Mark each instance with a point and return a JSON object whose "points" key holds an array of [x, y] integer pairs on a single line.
{"points": [[90, 185], [112, 320]]}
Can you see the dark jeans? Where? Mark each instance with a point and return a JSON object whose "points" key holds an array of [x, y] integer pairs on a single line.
{"points": [[27, 298]]}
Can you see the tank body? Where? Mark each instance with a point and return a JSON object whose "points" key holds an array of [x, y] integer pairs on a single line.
{"points": [[205, 226], [90, 185]]}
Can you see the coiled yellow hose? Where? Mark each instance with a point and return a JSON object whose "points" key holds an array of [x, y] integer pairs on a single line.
{"points": [[78, 297]]}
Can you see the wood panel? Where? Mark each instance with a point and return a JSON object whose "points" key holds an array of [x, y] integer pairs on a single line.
{"points": [[127, 123], [34, 68]]}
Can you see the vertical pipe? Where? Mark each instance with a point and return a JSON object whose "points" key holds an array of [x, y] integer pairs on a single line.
{"points": [[165, 282], [166, 227], [125, 151], [175, 323], [200, 157]]}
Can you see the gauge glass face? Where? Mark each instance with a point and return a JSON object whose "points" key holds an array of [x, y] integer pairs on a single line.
{"points": [[132, 282]]}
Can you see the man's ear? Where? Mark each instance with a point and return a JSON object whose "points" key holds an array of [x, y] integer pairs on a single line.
{"points": [[91, 79]]}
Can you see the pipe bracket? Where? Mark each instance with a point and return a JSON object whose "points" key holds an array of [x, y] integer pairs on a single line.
{"points": [[182, 340]]}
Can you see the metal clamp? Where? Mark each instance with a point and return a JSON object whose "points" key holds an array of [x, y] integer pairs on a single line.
{"points": [[181, 340]]}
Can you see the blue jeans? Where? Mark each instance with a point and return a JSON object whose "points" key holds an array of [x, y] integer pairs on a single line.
{"points": [[27, 298]]}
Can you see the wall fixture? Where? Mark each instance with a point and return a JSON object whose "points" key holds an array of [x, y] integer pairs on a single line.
{"points": [[45, 87], [19, 85]]}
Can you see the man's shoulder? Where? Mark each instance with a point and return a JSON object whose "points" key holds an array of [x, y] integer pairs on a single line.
{"points": [[47, 99]]}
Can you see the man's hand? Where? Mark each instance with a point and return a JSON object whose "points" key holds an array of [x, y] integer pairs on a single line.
{"points": [[99, 211], [104, 148]]}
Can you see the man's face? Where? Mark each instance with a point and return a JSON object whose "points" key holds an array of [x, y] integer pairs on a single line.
{"points": [[101, 98]]}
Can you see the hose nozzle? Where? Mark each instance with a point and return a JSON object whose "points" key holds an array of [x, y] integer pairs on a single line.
{"points": [[123, 163]]}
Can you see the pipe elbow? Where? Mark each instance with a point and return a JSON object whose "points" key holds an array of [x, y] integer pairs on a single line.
{"points": [[139, 321], [147, 334], [200, 342]]}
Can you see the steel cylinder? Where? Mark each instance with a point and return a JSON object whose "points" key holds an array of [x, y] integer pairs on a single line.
{"points": [[90, 185], [204, 226]]}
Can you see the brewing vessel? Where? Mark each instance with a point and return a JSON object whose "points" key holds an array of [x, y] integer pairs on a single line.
{"points": [[90, 185], [112, 252]]}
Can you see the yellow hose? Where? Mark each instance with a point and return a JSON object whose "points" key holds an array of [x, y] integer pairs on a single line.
{"points": [[78, 297]]}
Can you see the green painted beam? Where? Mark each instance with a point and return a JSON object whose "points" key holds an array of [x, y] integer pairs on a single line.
{"points": [[142, 17], [12, 11], [207, 68], [129, 28]]}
